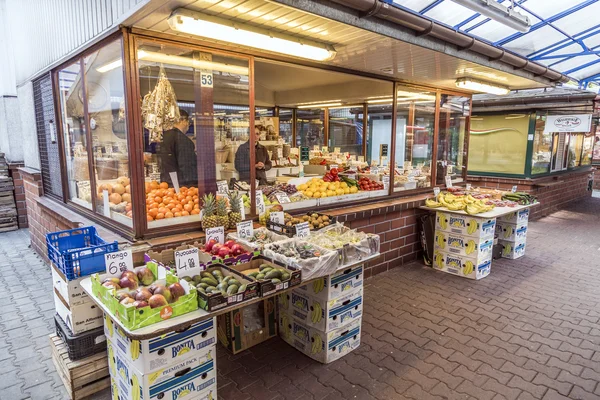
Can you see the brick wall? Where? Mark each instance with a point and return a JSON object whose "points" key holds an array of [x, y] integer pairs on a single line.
{"points": [[19, 193], [597, 179], [554, 192]]}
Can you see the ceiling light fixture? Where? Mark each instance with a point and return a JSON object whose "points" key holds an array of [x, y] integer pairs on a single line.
{"points": [[216, 28], [110, 66], [481, 86], [498, 12], [322, 105]]}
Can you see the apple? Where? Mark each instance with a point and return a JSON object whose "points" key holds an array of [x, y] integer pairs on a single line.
{"points": [[230, 243], [111, 284], [130, 274], [224, 251], [145, 275], [143, 294], [209, 245], [215, 249], [129, 282], [140, 304], [157, 300], [237, 249], [164, 292], [127, 301], [122, 296], [176, 290], [115, 280]]}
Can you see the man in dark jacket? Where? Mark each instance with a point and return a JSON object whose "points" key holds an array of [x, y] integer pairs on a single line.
{"points": [[176, 154], [242, 162]]}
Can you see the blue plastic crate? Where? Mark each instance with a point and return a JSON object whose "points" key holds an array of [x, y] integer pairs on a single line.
{"points": [[78, 252]]}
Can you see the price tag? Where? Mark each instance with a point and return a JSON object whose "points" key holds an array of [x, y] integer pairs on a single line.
{"points": [[277, 217], [337, 149], [206, 79], [383, 161], [324, 149], [514, 189], [187, 262], [386, 182], [316, 147], [245, 229], [282, 198], [242, 208], [106, 203], [222, 187], [361, 158], [416, 172], [468, 186], [448, 182], [332, 166], [260, 203], [217, 234], [118, 262], [352, 176], [302, 230], [375, 170], [436, 191], [175, 181]]}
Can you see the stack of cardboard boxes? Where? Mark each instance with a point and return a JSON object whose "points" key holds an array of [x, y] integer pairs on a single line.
{"points": [[323, 319], [512, 233], [179, 364]]}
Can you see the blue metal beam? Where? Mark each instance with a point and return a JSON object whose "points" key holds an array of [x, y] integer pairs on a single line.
{"points": [[477, 25], [590, 78], [545, 22], [580, 67], [432, 5], [555, 28], [570, 55], [564, 43]]}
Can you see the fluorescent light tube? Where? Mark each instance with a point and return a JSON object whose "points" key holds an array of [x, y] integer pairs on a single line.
{"points": [[481, 86], [110, 66], [320, 105], [220, 29]]}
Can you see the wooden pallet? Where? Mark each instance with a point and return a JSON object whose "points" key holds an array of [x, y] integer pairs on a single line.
{"points": [[81, 378]]}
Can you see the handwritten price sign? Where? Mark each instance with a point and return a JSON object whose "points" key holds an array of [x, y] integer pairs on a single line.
{"points": [[217, 234], [245, 229], [118, 262], [302, 230], [187, 262]]}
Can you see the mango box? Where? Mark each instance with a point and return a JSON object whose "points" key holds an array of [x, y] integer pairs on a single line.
{"points": [[511, 232], [245, 327], [318, 345], [462, 266], [321, 314], [333, 286], [190, 378], [516, 217], [483, 228], [266, 286], [150, 355], [213, 302], [79, 318], [70, 291], [135, 318], [512, 250], [468, 246]]}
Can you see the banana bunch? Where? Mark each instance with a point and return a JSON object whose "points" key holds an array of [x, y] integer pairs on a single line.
{"points": [[317, 312], [472, 226], [452, 202], [468, 268], [317, 344], [431, 203], [284, 300], [438, 260], [470, 247], [439, 238], [109, 324], [135, 388], [285, 326], [319, 285], [507, 232], [222, 337], [111, 359], [115, 391], [507, 250], [134, 347], [443, 220]]}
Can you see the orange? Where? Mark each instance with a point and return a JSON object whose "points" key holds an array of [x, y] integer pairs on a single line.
{"points": [[183, 189], [196, 200], [188, 207], [170, 206], [177, 214], [159, 216], [185, 213], [147, 186], [188, 198], [163, 210], [153, 212], [158, 199], [195, 212], [178, 207], [153, 185], [196, 207], [149, 218], [169, 215], [164, 185]]}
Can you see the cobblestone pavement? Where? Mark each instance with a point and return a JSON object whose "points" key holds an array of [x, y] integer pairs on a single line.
{"points": [[528, 331]]}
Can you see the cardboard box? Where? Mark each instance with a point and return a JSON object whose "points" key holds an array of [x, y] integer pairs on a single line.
{"points": [[266, 287], [511, 232], [194, 377], [517, 217], [468, 246], [512, 250], [321, 314], [213, 302], [318, 345], [150, 355], [333, 286], [79, 318], [462, 266], [483, 228], [248, 326], [70, 291]]}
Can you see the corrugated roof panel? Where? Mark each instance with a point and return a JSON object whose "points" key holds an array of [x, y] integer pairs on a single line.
{"points": [[580, 20], [535, 41], [573, 62], [449, 13]]}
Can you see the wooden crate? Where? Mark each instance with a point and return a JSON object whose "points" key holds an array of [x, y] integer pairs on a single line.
{"points": [[81, 378]]}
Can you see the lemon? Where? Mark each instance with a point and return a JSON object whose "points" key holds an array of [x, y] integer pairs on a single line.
{"points": [[339, 192], [309, 193], [302, 186], [331, 186], [346, 190], [323, 189], [330, 193], [317, 195], [343, 185], [353, 189]]}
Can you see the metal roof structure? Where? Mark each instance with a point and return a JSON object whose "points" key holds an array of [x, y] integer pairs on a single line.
{"points": [[564, 34]]}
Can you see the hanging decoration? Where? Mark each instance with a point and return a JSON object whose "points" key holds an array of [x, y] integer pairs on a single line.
{"points": [[159, 108]]}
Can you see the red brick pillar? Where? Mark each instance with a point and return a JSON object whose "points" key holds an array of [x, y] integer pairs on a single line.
{"points": [[32, 186], [19, 193]]}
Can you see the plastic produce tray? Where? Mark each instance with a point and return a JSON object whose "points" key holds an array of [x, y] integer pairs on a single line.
{"points": [[290, 231], [83, 345], [78, 252]]}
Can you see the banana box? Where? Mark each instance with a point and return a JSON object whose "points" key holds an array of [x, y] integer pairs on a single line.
{"points": [[194, 377], [511, 232], [512, 250], [324, 347], [70, 291], [461, 266], [516, 217], [325, 315], [333, 286], [150, 355], [462, 224], [468, 246]]}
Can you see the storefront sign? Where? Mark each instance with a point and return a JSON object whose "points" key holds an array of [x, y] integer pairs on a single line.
{"points": [[217, 234], [187, 262], [302, 230], [118, 262], [245, 229], [568, 123]]}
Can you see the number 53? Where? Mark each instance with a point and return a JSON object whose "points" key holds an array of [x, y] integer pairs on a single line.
{"points": [[206, 80]]}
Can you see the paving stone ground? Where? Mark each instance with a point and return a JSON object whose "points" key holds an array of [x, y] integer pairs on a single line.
{"points": [[528, 331]]}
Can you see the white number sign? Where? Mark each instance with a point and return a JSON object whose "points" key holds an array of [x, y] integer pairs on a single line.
{"points": [[217, 234], [245, 229], [302, 230], [118, 262], [187, 262]]}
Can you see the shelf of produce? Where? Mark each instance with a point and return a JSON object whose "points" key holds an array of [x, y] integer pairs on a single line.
{"points": [[183, 321], [495, 213]]}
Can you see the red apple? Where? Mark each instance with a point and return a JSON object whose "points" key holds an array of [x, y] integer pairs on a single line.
{"points": [[111, 284], [157, 300], [145, 276], [164, 292], [132, 275], [209, 245], [143, 294], [230, 243], [215, 249], [176, 290], [129, 282], [237, 249], [140, 304], [224, 251]]}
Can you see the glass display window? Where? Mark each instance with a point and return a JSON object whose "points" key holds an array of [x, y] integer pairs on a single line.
{"points": [[588, 146], [346, 130], [575, 149], [542, 147], [452, 138]]}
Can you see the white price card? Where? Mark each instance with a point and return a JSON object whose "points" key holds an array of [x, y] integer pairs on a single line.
{"points": [[282, 198], [302, 230], [352, 176], [217, 234], [245, 229], [206, 79], [277, 217], [332, 166], [375, 170], [448, 181], [436, 191], [118, 262], [361, 158], [337, 149], [222, 187], [514, 189], [386, 182], [316, 147], [106, 203], [242, 208], [468, 186], [260, 203], [187, 262], [175, 181]]}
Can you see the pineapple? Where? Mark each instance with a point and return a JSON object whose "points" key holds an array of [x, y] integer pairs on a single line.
{"points": [[235, 215], [209, 219], [222, 218]]}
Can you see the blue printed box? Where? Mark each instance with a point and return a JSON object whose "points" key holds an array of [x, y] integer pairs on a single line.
{"points": [[468, 246], [461, 266], [468, 225], [333, 286]]}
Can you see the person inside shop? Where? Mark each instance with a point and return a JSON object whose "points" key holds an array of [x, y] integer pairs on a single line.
{"points": [[242, 162], [176, 153]]}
